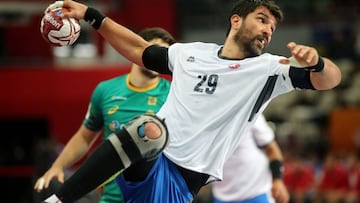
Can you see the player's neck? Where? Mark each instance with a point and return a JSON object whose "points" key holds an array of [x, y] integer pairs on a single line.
{"points": [[139, 80], [231, 52]]}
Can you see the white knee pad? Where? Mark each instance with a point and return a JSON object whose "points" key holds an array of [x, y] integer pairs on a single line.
{"points": [[132, 144]]}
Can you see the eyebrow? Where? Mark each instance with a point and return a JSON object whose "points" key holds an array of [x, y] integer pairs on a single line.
{"points": [[267, 17], [263, 14]]}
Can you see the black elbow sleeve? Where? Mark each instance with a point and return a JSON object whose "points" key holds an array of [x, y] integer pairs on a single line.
{"points": [[300, 78], [156, 58]]}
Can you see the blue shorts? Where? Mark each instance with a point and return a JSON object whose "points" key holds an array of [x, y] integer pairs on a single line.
{"points": [[263, 198], [164, 184]]}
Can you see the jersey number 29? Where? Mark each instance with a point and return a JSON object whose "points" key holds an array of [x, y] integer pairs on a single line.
{"points": [[207, 83]]}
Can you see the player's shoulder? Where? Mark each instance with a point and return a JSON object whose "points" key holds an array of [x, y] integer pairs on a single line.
{"points": [[111, 82], [164, 84], [195, 45], [271, 57]]}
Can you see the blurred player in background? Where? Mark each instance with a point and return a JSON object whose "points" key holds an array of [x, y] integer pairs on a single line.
{"points": [[250, 176], [113, 103]]}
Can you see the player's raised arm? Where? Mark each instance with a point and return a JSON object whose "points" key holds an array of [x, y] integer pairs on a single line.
{"points": [[324, 74], [123, 40]]}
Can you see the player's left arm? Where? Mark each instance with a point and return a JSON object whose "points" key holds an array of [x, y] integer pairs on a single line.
{"points": [[323, 73], [279, 191]]}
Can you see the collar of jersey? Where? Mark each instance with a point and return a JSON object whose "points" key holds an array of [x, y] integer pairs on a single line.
{"points": [[140, 89], [224, 57]]}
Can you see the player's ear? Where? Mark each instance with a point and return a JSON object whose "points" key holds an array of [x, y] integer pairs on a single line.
{"points": [[235, 21]]}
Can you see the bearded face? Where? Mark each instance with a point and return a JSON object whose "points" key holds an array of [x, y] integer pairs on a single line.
{"points": [[250, 43], [254, 32]]}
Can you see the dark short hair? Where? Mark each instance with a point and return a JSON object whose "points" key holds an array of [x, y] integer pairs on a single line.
{"points": [[244, 7], [156, 32]]}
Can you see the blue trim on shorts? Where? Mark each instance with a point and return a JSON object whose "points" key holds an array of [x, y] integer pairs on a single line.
{"points": [[164, 184], [263, 198]]}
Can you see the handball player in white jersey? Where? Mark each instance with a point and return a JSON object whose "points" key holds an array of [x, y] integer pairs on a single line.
{"points": [[216, 94], [249, 173]]}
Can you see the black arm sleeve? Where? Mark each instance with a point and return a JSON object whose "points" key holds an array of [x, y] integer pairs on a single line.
{"points": [[300, 78], [155, 58]]}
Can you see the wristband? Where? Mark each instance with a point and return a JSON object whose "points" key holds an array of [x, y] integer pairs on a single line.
{"points": [[316, 68], [276, 167], [94, 17]]}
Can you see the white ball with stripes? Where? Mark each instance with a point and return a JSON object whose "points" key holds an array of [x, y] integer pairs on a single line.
{"points": [[58, 31]]}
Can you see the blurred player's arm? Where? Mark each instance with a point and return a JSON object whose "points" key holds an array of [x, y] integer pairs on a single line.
{"points": [[73, 151], [279, 191]]}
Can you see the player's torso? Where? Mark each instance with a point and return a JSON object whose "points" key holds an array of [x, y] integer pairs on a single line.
{"points": [[221, 97], [203, 81]]}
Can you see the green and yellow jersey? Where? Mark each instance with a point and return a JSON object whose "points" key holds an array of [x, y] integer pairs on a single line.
{"points": [[113, 103]]}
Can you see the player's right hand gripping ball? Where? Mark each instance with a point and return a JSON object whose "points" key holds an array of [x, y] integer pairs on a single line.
{"points": [[58, 31]]}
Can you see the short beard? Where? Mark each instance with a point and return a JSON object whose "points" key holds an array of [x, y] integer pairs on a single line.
{"points": [[245, 44], [148, 73]]}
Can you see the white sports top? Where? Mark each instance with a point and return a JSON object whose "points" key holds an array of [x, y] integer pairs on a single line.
{"points": [[246, 172], [213, 101]]}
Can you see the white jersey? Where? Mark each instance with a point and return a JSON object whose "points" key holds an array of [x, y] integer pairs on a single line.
{"points": [[213, 101], [246, 172]]}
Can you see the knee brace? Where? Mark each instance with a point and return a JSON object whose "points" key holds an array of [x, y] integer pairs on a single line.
{"points": [[132, 144]]}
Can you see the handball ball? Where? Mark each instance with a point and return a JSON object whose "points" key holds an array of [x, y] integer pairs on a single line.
{"points": [[58, 31]]}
